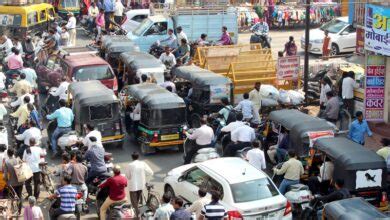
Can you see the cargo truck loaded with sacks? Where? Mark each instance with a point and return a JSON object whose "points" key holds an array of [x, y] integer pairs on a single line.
{"points": [[193, 21]]}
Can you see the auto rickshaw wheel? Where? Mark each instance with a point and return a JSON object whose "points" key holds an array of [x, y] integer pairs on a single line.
{"points": [[146, 149]]}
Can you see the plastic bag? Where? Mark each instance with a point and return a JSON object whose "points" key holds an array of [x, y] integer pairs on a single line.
{"points": [[296, 97], [269, 91], [283, 97], [67, 140], [267, 102]]}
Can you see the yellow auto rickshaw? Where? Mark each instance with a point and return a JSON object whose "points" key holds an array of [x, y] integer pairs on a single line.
{"points": [[23, 20], [65, 7]]}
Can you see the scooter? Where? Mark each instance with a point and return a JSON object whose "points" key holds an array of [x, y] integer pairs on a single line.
{"points": [[203, 154], [262, 38], [56, 204]]}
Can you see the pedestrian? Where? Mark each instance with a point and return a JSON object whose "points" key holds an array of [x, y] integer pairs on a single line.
{"points": [[64, 37], [32, 211], [100, 23], [166, 209], [292, 170], [93, 11], [31, 132], [32, 156], [180, 213], [198, 205], [167, 58], [246, 107], [332, 108], [326, 86], [136, 175], [117, 190], [256, 157], [385, 149], [11, 178], [203, 137], [255, 97], [108, 6], [118, 13], [326, 46], [71, 27], [67, 194], [168, 82], [214, 210], [347, 87], [181, 35], [358, 129], [290, 48]]}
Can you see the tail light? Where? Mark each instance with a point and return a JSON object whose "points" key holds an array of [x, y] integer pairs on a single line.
{"points": [[79, 195], [115, 86], [234, 215], [3, 94], [384, 200], [155, 137], [288, 209]]}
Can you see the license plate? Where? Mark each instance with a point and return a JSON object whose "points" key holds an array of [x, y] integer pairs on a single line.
{"points": [[169, 137], [267, 217]]}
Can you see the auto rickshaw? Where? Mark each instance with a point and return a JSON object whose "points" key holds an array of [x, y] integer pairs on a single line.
{"points": [[207, 90], [353, 208], [163, 116], [363, 171], [21, 21], [133, 64], [64, 7], [114, 49], [92, 102], [106, 40]]}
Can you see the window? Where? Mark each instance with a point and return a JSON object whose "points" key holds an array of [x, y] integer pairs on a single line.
{"points": [[173, 116], [159, 28], [32, 18], [100, 112], [196, 177], [349, 30], [253, 190], [10, 20], [139, 18], [93, 73], [51, 13], [142, 27], [214, 185], [42, 15], [70, 4]]}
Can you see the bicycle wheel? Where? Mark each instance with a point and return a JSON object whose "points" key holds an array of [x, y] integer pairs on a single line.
{"points": [[153, 202], [47, 182]]}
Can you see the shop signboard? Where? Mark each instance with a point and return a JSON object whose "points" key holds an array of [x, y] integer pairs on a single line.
{"points": [[288, 68], [377, 29], [360, 40], [375, 88]]}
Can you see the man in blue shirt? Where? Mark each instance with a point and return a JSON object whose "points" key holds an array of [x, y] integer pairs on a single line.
{"points": [[64, 117], [108, 6], [67, 193], [180, 212], [95, 155], [358, 129]]}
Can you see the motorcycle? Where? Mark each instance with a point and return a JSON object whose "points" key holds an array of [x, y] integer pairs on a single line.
{"points": [[156, 49], [93, 186], [203, 154], [262, 38], [56, 204], [51, 103], [118, 210], [310, 212]]}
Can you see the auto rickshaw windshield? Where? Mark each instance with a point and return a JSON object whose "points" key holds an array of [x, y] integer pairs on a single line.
{"points": [[162, 117], [100, 112]]}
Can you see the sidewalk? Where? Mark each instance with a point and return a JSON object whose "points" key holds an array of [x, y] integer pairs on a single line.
{"points": [[380, 130]]}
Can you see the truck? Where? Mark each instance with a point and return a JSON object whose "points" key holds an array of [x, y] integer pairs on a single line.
{"points": [[194, 22]]}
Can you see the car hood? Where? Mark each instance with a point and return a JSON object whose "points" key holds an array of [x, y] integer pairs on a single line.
{"points": [[131, 36], [179, 170], [130, 25]]}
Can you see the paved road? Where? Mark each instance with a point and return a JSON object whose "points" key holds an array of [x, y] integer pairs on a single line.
{"points": [[163, 161]]}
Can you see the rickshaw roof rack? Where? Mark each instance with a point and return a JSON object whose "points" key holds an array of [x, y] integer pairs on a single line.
{"points": [[89, 92], [200, 76], [349, 154], [155, 97]]}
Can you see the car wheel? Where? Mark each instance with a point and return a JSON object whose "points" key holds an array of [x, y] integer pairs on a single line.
{"points": [[169, 190], [334, 50]]}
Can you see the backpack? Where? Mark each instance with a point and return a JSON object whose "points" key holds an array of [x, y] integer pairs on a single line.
{"points": [[232, 115]]}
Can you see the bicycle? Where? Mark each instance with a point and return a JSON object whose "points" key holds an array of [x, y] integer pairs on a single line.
{"points": [[10, 205], [47, 182], [151, 199]]}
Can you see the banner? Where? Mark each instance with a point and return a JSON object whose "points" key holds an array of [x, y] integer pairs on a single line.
{"points": [[377, 29], [315, 135], [375, 88], [288, 68], [360, 40]]}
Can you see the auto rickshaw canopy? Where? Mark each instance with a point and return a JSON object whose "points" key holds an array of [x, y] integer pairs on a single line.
{"points": [[354, 208], [155, 97], [120, 47], [92, 92], [288, 118], [108, 39], [199, 76], [140, 60]]}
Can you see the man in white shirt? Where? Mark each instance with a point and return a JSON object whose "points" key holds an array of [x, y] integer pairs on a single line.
{"points": [[167, 83], [6, 44], [136, 175], [166, 209], [226, 130], [246, 107], [198, 205], [203, 137], [180, 35], [92, 132], [255, 98], [93, 11], [317, 184], [32, 157], [241, 137], [256, 157], [32, 133], [348, 85], [20, 99], [167, 58], [71, 27], [62, 90], [118, 11]]}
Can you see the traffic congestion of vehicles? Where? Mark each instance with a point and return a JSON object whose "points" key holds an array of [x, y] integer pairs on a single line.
{"points": [[172, 81]]}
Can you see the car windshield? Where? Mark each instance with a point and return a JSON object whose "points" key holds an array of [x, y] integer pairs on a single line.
{"points": [[100, 112], [334, 26], [93, 73], [143, 27], [10, 20], [253, 190]]}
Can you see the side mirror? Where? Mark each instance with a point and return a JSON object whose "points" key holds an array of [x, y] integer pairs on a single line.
{"points": [[180, 179]]}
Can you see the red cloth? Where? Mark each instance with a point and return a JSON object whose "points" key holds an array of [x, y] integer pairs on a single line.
{"points": [[117, 187]]}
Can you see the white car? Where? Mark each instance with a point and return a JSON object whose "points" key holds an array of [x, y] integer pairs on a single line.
{"points": [[247, 193], [134, 18], [342, 34]]}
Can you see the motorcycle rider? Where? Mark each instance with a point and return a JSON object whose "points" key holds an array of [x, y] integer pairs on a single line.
{"points": [[6, 44], [67, 193], [19, 101], [95, 156], [64, 117], [261, 29], [22, 114], [31, 75], [62, 90], [117, 190], [167, 58], [226, 130], [91, 131], [202, 40], [21, 85], [241, 137], [29, 51], [78, 171], [180, 35], [14, 64], [203, 137], [171, 40], [31, 132]]}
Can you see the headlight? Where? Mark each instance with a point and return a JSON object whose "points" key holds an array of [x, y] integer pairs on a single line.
{"points": [[318, 41]]}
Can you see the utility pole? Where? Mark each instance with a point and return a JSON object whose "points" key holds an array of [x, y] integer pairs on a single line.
{"points": [[307, 40]]}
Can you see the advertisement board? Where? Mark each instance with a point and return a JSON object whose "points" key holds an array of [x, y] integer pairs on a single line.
{"points": [[377, 34], [288, 68], [375, 88]]}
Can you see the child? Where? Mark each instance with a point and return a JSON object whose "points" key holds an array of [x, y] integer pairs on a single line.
{"points": [[32, 211]]}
